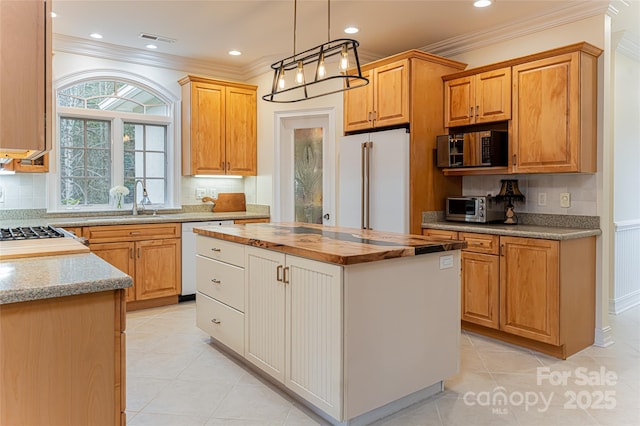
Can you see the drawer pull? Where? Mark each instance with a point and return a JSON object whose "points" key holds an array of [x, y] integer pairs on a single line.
{"points": [[475, 243], [215, 281], [279, 273], [134, 233], [216, 321], [216, 249], [285, 276]]}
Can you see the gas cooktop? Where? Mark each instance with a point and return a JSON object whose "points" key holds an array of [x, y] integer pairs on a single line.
{"points": [[30, 233]]}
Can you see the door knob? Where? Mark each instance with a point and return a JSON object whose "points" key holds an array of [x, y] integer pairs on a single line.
{"points": [[326, 216]]}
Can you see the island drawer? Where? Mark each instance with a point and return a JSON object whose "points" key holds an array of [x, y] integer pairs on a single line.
{"points": [[480, 243], [223, 251], [221, 322], [220, 281]]}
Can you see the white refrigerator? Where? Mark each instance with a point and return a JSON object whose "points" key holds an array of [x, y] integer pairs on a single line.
{"points": [[374, 181]]}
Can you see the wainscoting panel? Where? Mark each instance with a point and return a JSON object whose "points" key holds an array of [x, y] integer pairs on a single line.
{"points": [[626, 290]]}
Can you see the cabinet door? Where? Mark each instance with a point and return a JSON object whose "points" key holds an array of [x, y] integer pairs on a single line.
{"points": [[120, 255], [479, 296], [207, 129], [358, 106], [314, 332], [391, 94], [241, 146], [25, 75], [493, 96], [264, 310], [459, 101], [546, 115], [529, 288], [439, 234], [158, 271]]}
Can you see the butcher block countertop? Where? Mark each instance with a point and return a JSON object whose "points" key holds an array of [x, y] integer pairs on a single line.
{"points": [[34, 278], [342, 246]]}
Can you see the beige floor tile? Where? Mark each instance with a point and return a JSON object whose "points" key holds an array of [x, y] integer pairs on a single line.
{"points": [[470, 360], [470, 381], [186, 397], [239, 422], [509, 362], [301, 416], [160, 366], [217, 369], [555, 415], [617, 417], [482, 343], [141, 390], [151, 419], [254, 402], [421, 414], [457, 412]]}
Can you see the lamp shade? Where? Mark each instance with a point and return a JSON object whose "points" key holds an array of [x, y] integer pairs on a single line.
{"points": [[510, 190]]}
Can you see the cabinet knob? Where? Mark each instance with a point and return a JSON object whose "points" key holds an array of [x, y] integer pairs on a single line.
{"points": [[513, 159], [216, 249], [215, 281], [216, 321]]}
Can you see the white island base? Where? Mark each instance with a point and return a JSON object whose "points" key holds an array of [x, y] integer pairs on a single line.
{"points": [[355, 343]]}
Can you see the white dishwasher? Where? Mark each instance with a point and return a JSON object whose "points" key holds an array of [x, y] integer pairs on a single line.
{"points": [[189, 256]]}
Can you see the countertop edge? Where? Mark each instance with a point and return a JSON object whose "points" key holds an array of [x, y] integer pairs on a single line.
{"points": [[528, 231]]}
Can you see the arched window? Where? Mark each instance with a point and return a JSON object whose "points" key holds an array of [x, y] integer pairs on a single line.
{"points": [[111, 132]]}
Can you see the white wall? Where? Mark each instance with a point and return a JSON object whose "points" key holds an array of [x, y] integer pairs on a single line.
{"points": [[626, 176]]}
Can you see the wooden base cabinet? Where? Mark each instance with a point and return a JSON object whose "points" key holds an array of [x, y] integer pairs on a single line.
{"points": [[150, 254], [300, 302], [531, 292], [63, 361]]}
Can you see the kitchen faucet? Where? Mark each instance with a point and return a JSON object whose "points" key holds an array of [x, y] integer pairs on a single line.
{"points": [[145, 197]]}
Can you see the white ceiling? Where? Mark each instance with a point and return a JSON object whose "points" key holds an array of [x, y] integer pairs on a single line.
{"points": [[263, 29]]}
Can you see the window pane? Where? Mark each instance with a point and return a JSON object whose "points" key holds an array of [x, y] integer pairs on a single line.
{"points": [[156, 190], [128, 106], [155, 164], [156, 138], [157, 110], [308, 174], [70, 101], [85, 171]]}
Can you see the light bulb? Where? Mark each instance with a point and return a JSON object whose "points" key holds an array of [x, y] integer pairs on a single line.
{"points": [[322, 71], [300, 74], [344, 59], [281, 83]]}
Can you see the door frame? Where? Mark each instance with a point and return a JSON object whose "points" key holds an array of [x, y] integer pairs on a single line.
{"points": [[283, 120]]}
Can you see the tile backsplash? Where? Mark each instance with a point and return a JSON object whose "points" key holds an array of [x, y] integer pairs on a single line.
{"points": [[24, 191], [581, 187], [29, 190]]}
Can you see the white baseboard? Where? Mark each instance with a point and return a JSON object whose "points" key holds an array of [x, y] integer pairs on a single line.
{"points": [[603, 337], [621, 304]]}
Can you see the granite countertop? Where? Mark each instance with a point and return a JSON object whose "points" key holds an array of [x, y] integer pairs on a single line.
{"points": [[342, 246], [529, 231], [63, 221], [35, 278]]}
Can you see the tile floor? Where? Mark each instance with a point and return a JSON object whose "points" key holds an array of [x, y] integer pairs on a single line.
{"points": [[175, 377]]}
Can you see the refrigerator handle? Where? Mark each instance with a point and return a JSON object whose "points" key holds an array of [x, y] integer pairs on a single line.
{"points": [[366, 185], [363, 166]]}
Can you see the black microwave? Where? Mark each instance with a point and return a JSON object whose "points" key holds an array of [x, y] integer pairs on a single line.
{"points": [[473, 149]]}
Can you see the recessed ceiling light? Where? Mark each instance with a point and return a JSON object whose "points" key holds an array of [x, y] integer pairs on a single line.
{"points": [[351, 30], [53, 14], [482, 3], [235, 53], [151, 46], [95, 35]]}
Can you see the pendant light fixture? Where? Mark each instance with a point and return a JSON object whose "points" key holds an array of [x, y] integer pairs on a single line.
{"points": [[330, 62]]}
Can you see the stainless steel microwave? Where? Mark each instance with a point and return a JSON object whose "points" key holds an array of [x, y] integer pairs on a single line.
{"points": [[474, 149], [476, 209]]}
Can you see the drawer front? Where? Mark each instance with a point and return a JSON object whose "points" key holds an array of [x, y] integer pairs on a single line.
{"points": [[439, 234], [115, 233], [221, 322], [481, 243], [221, 281], [221, 250]]}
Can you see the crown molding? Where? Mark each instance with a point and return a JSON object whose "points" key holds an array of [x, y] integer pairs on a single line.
{"points": [[472, 41], [95, 49]]}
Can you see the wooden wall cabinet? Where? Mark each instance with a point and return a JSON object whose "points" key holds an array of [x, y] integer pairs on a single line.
{"points": [[477, 99], [150, 254], [383, 102], [554, 108], [402, 82], [25, 75], [219, 134], [37, 165]]}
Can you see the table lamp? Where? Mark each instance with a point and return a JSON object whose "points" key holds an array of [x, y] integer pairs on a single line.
{"points": [[509, 192]]}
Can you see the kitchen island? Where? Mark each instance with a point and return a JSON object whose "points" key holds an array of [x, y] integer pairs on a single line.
{"points": [[355, 323], [62, 344]]}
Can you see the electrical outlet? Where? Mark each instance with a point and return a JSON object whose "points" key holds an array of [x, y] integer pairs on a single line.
{"points": [[1, 194], [542, 198], [200, 192], [213, 193], [565, 199]]}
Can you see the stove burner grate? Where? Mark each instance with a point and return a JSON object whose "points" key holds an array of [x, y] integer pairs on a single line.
{"points": [[29, 233]]}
